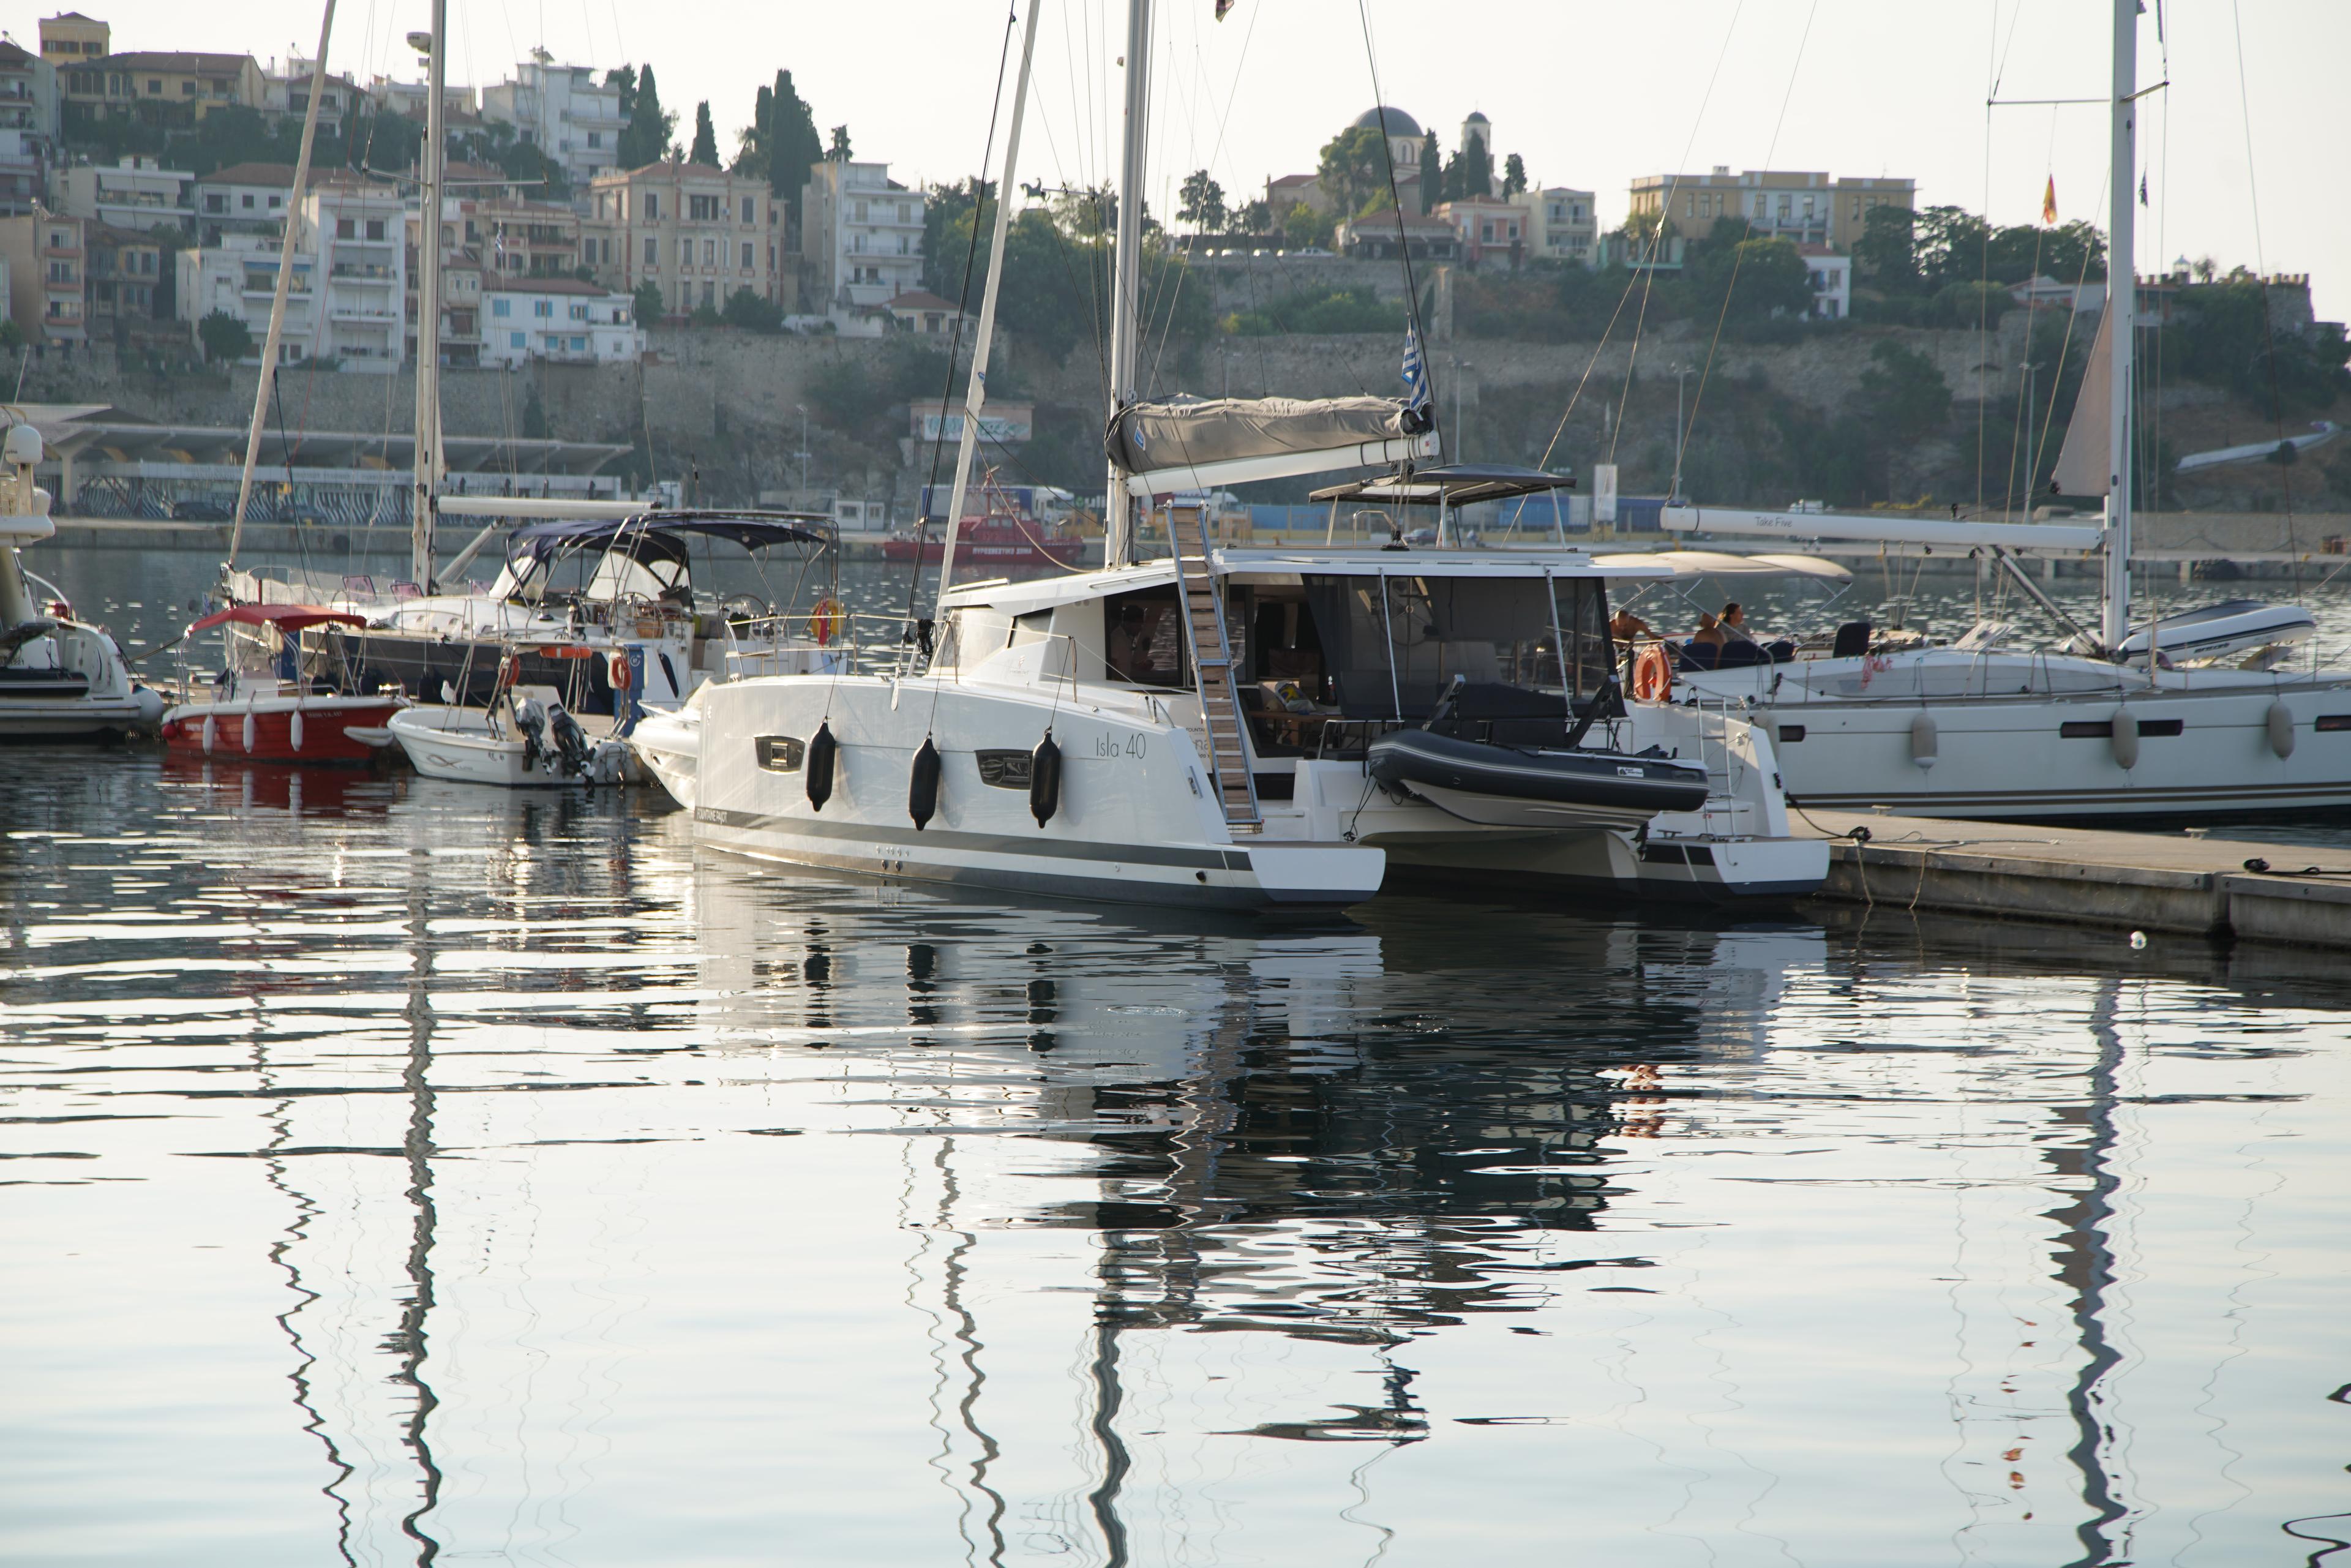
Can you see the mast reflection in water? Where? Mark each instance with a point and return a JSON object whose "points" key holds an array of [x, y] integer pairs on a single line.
{"points": [[594, 1203]]}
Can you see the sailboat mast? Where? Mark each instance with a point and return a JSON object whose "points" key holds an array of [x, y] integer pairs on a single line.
{"points": [[2122, 301], [287, 238], [428, 310], [975, 395], [1126, 293]]}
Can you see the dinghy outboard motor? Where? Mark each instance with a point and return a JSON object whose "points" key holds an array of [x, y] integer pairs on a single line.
{"points": [[571, 746], [531, 719]]}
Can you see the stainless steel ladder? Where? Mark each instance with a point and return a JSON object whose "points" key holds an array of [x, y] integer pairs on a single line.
{"points": [[1212, 662]]}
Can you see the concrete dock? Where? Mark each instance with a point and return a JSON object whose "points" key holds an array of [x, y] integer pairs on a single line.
{"points": [[2154, 881]]}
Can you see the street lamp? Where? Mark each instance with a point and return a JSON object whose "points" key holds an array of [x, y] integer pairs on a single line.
{"points": [[1681, 433]]}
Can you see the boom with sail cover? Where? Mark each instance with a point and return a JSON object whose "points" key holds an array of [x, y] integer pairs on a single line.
{"points": [[1190, 443]]}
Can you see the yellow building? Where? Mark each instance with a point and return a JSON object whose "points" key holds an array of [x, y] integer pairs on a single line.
{"points": [[70, 38], [161, 87], [1805, 206], [696, 233]]}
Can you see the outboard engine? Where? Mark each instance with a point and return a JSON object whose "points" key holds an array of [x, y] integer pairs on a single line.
{"points": [[531, 719], [571, 746]]}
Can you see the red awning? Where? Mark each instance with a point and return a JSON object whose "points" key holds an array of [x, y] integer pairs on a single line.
{"points": [[286, 618]]}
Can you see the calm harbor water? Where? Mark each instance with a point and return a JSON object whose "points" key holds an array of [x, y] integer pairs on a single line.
{"points": [[393, 1172]]}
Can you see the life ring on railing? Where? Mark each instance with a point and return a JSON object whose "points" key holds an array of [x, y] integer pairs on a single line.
{"points": [[618, 669], [1653, 673], [509, 671], [824, 622]]}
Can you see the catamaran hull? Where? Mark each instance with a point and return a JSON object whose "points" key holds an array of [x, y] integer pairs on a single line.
{"points": [[1135, 822], [1721, 871]]}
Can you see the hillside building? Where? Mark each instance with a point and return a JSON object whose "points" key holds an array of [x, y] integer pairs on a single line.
{"points": [[134, 192], [565, 111], [48, 268], [560, 321], [694, 232], [1806, 208]]}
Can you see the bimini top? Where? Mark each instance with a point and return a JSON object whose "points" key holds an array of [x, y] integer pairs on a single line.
{"points": [[1722, 563], [286, 618], [752, 529], [1453, 485]]}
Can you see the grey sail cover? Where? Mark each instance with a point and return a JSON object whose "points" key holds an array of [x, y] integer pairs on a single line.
{"points": [[1189, 432]]}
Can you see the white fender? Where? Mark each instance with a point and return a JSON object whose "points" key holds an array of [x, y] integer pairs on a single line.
{"points": [[1924, 740], [248, 734], [294, 729], [2281, 726], [2126, 739], [212, 733]]}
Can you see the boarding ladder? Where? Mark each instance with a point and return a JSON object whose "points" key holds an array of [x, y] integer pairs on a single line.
{"points": [[1212, 660]]}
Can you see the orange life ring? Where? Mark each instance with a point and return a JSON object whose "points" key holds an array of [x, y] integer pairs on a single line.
{"points": [[619, 669], [509, 670], [824, 622], [1653, 673]]}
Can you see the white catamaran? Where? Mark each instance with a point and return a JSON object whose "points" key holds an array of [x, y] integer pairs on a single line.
{"points": [[1236, 728]]}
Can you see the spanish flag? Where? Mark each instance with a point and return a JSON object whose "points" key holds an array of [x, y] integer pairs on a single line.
{"points": [[2049, 202]]}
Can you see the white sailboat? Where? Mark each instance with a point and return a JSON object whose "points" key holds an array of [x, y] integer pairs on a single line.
{"points": [[1129, 734], [2193, 716], [60, 678]]}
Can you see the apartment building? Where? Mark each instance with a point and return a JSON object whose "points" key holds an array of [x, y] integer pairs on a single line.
{"points": [[126, 276], [1564, 226], [349, 277], [566, 111], [520, 238], [1830, 272], [1492, 231], [860, 242], [48, 266], [694, 232], [411, 99], [164, 87], [135, 193], [558, 320], [1806, 208], [69, 38], [287, 95], [28, 129]]}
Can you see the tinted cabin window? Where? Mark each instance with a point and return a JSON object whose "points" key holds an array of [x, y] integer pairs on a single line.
{"points": [[781, 753], [1004, 769], [1143, 638]]}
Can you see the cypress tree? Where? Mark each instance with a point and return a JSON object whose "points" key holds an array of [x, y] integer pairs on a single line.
{"points": [[705, 137], [1432, 172]]}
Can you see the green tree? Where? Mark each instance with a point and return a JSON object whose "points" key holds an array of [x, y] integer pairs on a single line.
{"points": [[224, 336], [1887, 255], [945, 208], [624, 77], [1906, 396], [751, 143], [838, 149], [1204, 202], [1477, 167], [1432, 173], [1302, 227], [646, 139], [1951, 247], [1514, 176], [1354, 170], [649, 306], [1252, 217], [705, 137], [753, 314], [12, 337], [1762, 278], [794, 146]]}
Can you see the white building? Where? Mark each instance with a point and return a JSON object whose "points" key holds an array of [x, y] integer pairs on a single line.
{"points": [[862, 241], [566, 111], [349, 277], [1830, 273], [560, 320], [1565, 226], [411, 99], [287, 95], [134, 194]]}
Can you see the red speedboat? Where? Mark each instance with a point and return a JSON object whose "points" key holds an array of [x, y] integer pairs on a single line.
{"points": [[261, 710]]}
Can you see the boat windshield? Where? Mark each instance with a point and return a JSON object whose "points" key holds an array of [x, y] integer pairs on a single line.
{"points": [[1391, 646], [598, 576]]}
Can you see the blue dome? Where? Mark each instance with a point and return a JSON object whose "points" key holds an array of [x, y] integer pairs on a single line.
{"points": [[1393, 121]]}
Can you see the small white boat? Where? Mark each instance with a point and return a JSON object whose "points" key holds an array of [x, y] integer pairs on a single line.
{"points": [[60, 678], [525, 739]]}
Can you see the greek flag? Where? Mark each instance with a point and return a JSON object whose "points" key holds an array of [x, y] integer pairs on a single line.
{"points": [[1415, 376]]}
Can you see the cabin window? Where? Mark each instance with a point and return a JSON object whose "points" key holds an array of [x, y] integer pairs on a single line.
{"points": [[2334, 721], [1791, 732], [1393, 644], [781, 753], [1004, 769], [1142, 640], [2103, 728]]}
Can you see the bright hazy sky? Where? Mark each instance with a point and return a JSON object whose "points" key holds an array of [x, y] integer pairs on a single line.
{"points": [[1591, 94]]}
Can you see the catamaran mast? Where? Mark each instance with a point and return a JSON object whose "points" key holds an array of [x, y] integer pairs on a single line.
{"points": [[1118, 519], [975, 395], [428, 311], [2122, 300]]}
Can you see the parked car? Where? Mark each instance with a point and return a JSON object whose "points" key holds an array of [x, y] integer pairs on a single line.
{"points": [[202, 512]]}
